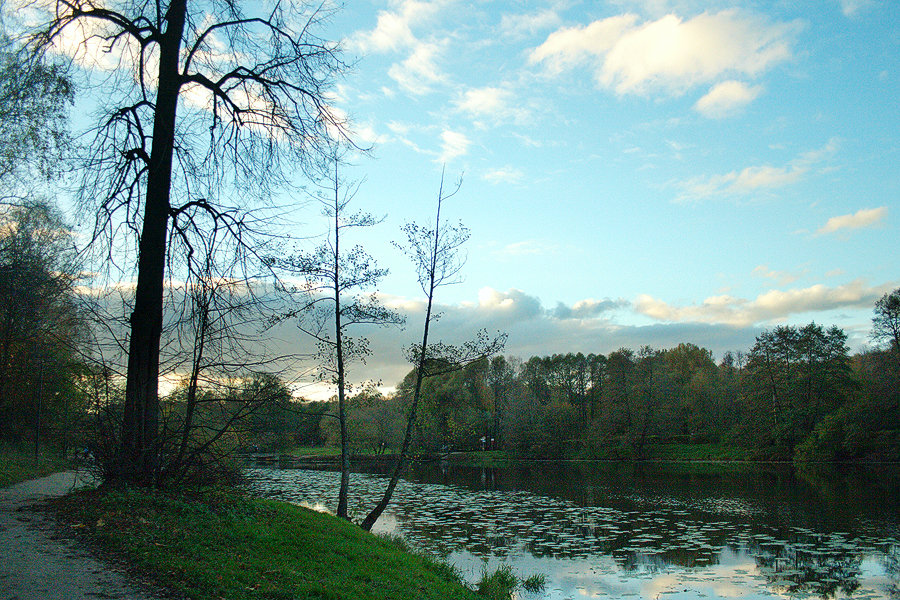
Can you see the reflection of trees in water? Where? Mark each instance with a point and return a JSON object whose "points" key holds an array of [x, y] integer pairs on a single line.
{"points": [[800, 567], [891, 563]]}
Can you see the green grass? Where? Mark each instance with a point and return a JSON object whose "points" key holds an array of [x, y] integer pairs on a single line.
{"points": [[315, 451], [307, 451], [222, 545], [17, 465]]}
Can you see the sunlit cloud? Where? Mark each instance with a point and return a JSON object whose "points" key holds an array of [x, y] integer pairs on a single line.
{"points": [[867, 217], [771, 306], [669, 55], [727, 98], [453, 145], [755, 178]]}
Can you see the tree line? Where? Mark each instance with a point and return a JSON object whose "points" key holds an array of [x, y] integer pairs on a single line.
{"points": [[798, 394]]}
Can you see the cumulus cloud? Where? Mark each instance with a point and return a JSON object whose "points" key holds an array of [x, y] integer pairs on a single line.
{"points": [[453, 145], [670, 54], [585, 326], [867, 217], [726, 98], [755, 178], [770, 306]]}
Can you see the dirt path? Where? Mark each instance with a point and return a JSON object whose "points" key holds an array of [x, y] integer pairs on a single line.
{"points": [[37, 563]]}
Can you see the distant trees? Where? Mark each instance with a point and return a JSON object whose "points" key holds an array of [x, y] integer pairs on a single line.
{"points": [[797, 394], [204, 99]]}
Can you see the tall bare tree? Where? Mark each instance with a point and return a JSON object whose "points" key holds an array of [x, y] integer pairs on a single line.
{"points": [[206, 104], [436, 254], [337, 281]]}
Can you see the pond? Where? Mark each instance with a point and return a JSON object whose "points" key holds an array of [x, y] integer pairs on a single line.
{"points": [[658, 530]]}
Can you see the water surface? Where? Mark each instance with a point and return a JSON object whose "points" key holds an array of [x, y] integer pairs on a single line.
{"points": [[613, 530]]}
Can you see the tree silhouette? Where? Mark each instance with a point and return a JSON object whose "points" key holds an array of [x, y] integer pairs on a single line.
{"points": [[208, 108]]}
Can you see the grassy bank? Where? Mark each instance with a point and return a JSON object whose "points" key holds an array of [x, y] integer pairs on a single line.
{"points": [[222, 545], [17, 465]]}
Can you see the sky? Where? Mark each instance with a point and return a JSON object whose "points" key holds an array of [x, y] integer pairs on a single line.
{"points": [[632, 172]]}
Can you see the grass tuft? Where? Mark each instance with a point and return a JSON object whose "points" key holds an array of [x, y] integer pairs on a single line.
{"points": [[534, 583], [499, 584]]}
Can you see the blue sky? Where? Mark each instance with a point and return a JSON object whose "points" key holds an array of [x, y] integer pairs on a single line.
{"points": [[637, 172], [633, 172]]}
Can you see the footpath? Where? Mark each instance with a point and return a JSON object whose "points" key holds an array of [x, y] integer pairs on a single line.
{"points": [[39, 561]]}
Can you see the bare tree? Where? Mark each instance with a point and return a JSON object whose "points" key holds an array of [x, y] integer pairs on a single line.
{"points": [[200, 114], [435, 252], [336, 280]]}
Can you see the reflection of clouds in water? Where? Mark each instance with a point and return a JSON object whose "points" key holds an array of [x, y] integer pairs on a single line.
{"points": [[706, 547]]}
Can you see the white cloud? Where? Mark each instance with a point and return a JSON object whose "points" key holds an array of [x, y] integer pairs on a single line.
{"points": [[866, 217], [504, 175], [393, 29], [453, 145], [484, 101], [523, 25], [418, 72], [742, 182], [755, 178], [393, 32], [494, 103], [773, 305], [670, 54], [726, 98]]}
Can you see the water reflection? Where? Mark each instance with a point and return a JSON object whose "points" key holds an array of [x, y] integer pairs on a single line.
{"points": [[618, 530]]}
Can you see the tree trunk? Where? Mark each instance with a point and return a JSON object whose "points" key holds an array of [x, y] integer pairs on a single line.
{"points": [[138, 462], [339, 354]]}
